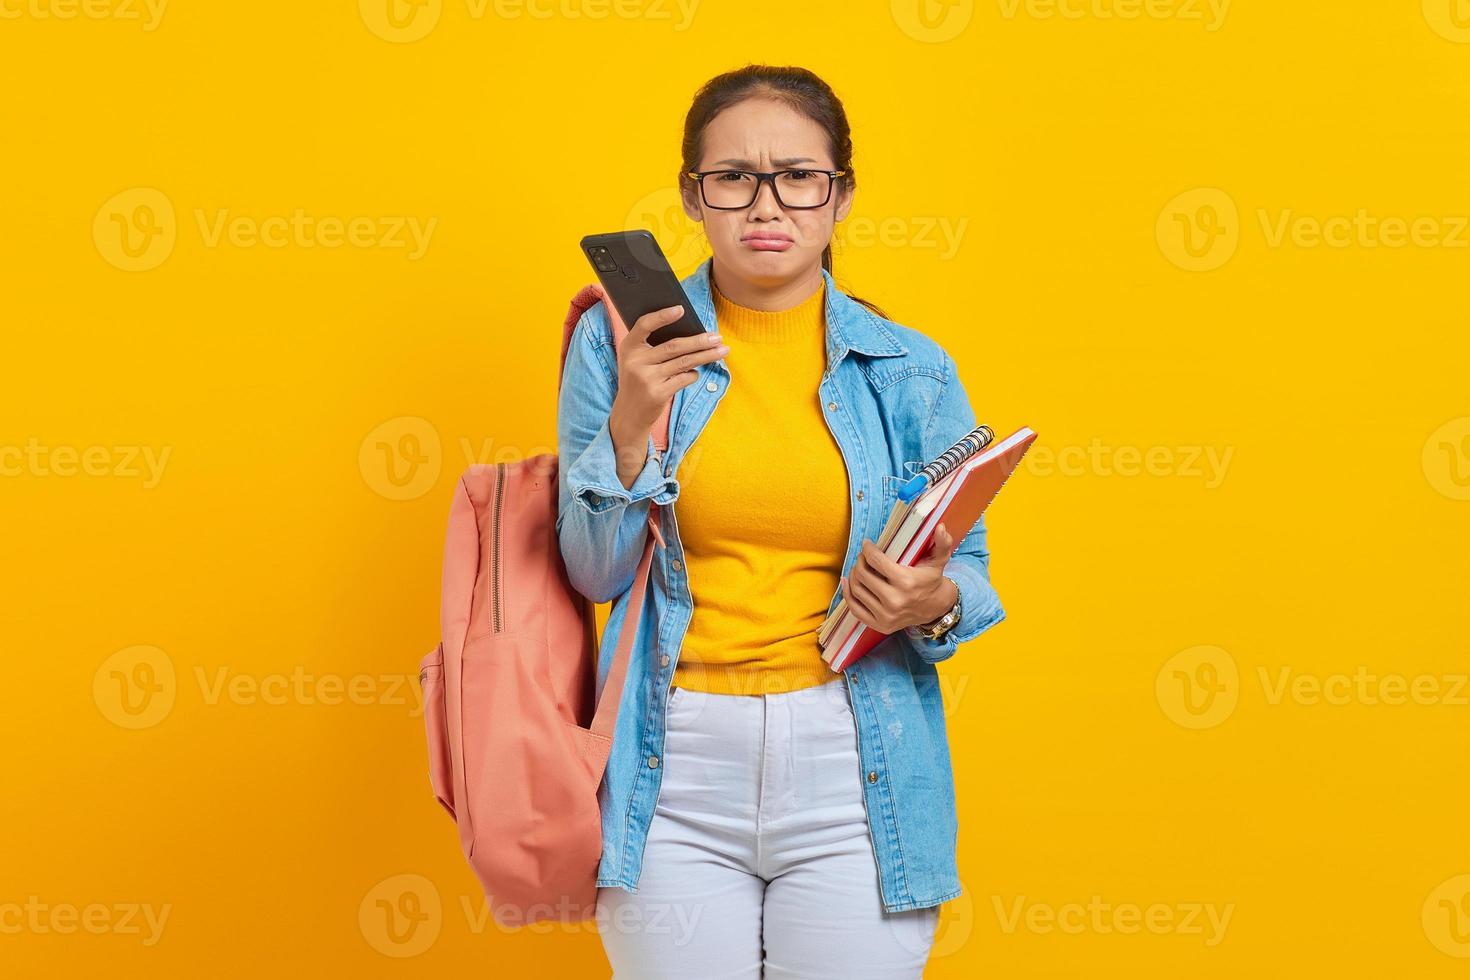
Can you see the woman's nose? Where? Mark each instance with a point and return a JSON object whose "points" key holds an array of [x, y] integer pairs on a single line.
{"points": [[765, 204]]}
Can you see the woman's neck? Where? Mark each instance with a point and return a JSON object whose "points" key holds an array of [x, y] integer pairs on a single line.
{"points": [[801, 323]]}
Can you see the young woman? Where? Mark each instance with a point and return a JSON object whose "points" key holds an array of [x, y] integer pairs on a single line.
{"points": [[762, 815]]}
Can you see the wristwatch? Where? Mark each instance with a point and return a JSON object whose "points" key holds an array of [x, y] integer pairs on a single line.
{"points": [[937, 628]]}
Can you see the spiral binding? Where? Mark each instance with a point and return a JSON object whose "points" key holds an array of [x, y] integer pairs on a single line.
{"points": [[977, 439]]}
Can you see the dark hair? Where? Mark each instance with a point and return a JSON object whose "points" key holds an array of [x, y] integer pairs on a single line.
{"points": [[796, 87]]}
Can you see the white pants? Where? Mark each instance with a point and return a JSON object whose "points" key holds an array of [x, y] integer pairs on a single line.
{"points": [[758, 861]]}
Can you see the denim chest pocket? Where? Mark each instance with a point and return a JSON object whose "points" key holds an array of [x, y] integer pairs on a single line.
{"points": [[906, 395], [891, 484]]}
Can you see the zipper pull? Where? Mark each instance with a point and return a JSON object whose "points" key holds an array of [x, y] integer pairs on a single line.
{"points": [[653, 528]]}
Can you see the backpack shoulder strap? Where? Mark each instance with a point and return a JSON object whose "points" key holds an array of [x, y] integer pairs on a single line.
{"points": [[461, 565], [587, 297], [456, 607], [606, 717]]}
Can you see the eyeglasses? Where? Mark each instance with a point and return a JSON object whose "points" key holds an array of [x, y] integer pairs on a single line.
{"points": [[734, 190]]}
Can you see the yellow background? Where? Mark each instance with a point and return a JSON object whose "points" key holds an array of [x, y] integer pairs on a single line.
{"points": [[1065, 155]]}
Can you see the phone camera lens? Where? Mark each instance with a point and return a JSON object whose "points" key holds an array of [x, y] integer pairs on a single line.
{"points": [[602, 260]]}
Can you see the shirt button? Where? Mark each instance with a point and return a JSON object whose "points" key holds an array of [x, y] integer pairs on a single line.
{"points": [[711, 386], [595, 498], [653, 762], [676, 564], [860, 495], [872, 775], [664, 660], [831, 406], [669, 470]]}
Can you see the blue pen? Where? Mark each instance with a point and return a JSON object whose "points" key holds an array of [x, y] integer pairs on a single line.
{"points": [[913, 488]]}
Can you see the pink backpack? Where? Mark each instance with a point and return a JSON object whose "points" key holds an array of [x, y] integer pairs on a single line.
{"points": [[517, 737]]}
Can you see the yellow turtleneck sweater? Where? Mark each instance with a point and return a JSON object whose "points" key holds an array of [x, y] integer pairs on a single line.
{"points": [[763, 510]]}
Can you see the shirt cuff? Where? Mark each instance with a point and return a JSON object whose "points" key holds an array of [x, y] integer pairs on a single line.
{"points": [[980, 609], [594, 482]]}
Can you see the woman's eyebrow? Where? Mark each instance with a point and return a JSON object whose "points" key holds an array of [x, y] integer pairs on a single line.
{"points": [[783, 162]]}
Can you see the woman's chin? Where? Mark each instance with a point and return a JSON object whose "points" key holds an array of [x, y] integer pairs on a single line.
{"points": [[763, 263]]}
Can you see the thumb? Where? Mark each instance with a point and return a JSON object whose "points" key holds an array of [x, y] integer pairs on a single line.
{"points": [[940, 548]]}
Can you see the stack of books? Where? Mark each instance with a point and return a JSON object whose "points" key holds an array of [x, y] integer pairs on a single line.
{"points": [[955, 488]]}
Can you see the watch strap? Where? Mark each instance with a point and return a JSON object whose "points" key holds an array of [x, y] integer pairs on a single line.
{"points": [[936, 628]]}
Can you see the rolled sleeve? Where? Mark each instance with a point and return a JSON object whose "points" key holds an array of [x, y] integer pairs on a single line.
{"points": [[594, 482], [980, 606]]}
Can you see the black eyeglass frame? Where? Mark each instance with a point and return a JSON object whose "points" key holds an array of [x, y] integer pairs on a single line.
{"points": [[768, 176]]}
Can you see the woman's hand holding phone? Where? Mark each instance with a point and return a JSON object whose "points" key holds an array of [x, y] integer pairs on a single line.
{"points": [[648, 376]]}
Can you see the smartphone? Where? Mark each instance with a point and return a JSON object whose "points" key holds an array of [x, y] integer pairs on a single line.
{"points": [[638, 280]]}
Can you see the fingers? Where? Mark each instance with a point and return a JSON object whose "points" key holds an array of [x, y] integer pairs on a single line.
{"points": [[880, 564], [876, 591], [682, 367], [649, 322], [688, 351], [684, 346], [672, 360], [868, 604], [856, 603], [673, 383]]}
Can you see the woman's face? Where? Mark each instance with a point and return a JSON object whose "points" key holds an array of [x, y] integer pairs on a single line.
{"points": [[760, 134]]}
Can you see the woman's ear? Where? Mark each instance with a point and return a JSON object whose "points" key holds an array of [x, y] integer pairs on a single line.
{"points": [[689, 197], [844, 200]]}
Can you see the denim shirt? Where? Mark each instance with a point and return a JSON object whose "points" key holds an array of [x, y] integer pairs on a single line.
{"points": [[893, 402]]}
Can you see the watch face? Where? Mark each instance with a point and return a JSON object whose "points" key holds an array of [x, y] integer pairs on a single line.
{"points": [[947, 623]]}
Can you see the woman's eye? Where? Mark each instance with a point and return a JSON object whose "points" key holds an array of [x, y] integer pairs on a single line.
{"points": [[798, 174], [732, 176]]}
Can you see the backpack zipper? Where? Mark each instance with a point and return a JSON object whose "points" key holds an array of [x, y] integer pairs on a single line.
{"points": [[495, 548]]}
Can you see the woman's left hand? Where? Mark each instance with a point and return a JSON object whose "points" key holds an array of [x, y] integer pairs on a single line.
{"points": [[887, 596]]}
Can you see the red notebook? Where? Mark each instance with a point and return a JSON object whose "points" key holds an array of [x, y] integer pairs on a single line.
{"points": [[961, 484]]}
